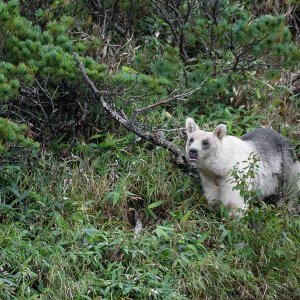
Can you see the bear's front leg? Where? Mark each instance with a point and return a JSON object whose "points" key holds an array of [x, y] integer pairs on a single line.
{"points": [[231, 198], [211, 190]]}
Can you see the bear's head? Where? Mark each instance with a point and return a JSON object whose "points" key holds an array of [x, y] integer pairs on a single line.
{"points": [[202, 145]]}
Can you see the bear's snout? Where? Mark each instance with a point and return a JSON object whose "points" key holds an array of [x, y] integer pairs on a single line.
{"points": [[193, 154]]}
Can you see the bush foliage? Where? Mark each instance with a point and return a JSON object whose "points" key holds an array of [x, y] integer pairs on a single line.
{"points": [[222, 44]]}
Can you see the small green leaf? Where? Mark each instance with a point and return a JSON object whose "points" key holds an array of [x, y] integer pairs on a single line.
{"points": [[186, 216], [155, 204], [129, 70], [116, 197], [203, 237], [228, 114], [96, 136], [258, 94]]}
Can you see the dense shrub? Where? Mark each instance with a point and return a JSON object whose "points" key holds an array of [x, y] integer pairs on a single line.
{"points": [[221, 44]]}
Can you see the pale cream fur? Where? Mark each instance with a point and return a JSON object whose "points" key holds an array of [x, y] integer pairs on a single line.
{"points": [[215, 163]]}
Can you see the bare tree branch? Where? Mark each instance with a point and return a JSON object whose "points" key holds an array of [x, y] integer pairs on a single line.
{"points": [[173, 97], [180, 158], [176, 21]]}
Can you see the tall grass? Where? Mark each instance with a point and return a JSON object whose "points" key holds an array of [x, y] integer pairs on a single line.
{"points": [[65, 234]]}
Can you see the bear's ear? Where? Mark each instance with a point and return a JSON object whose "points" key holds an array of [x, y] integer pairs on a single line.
{"points": [[190, 125], [220, 131]]}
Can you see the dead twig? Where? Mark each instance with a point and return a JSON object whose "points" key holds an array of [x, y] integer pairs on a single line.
{"points": [[174, 96]]}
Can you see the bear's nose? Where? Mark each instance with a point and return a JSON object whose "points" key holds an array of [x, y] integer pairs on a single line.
{"points": [[193, 153]]}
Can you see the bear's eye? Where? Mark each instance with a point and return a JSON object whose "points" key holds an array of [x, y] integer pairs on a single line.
{"points": [[191, 140], [205, 143]]}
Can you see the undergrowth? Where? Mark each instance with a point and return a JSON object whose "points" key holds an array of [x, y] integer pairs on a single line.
{"points": [[65, 234]]}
